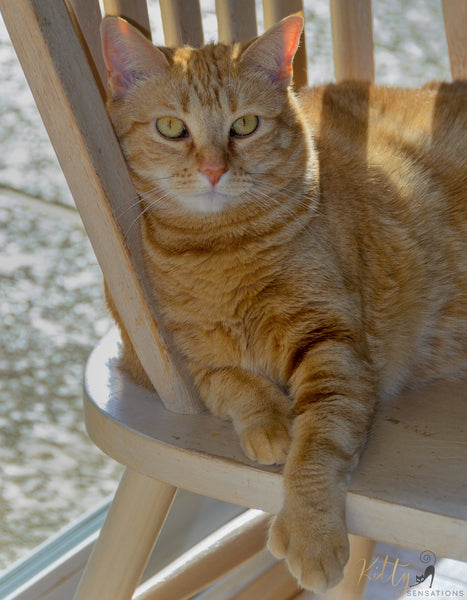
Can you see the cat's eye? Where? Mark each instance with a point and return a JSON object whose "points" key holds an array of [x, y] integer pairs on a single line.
{"points": [[244, 126], [171, 127]]}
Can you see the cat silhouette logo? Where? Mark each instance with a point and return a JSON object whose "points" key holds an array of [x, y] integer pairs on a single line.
{"points": [[426, 557]]}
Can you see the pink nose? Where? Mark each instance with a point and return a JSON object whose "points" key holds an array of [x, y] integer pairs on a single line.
{"points": [[213, 171]]}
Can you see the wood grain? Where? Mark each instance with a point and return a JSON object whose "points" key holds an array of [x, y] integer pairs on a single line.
{"points": [[455, 24], [88, 17], [213, 558], [408, 489], [275, 584], [352, 40], [72, 108], [181, 21], [127, 538], [236, 20]]}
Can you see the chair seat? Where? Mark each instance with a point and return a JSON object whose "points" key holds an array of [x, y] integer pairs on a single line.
{"points": [[410, 488]]}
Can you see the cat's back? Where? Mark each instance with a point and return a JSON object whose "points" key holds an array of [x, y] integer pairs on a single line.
{"points": [[395, 147], [372, 123], [393, 193]]}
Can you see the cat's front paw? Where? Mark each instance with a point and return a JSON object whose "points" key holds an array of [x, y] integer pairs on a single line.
{"points": [[315, 547], [266, 442]]}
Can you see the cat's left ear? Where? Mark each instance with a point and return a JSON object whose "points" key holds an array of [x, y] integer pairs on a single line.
{"points": [[274, 51], [129, 56]]}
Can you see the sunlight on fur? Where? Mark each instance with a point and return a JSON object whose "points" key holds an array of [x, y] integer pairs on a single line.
{"points": [[308, 253]]}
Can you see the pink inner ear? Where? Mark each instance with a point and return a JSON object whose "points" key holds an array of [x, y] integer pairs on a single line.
{"points": [[116, 46], [291, 31], [128, 55], [273, 51]]}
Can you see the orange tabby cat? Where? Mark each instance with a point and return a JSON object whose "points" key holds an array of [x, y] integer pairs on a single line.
{"points": [[308, 253]]}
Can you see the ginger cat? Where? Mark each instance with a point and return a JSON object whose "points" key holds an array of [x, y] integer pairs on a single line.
{"points": [[308, 252]]}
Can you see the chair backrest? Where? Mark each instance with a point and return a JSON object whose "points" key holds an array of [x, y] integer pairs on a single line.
{"points": [[67, 77]]}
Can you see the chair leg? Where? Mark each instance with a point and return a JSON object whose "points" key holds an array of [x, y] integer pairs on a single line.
{"points": [[127, 538], [209, 560], [275, 584], [352, 587]]}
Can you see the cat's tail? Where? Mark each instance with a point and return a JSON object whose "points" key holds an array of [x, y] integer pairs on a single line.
{"points": [[427, 557]]}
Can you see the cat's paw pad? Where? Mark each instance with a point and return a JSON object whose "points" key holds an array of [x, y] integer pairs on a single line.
{"points": [[267, 442], [316, 550]]}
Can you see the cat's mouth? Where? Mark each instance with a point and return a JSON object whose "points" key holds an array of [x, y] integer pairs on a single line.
{"points": [[208, 202]]}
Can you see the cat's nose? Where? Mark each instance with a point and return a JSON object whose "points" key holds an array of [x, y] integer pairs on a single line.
{"points": [[213, 171]]}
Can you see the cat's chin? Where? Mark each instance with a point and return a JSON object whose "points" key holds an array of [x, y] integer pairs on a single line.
{"points": [[205, 203]]}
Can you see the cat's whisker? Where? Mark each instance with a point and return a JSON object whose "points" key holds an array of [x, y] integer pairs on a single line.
{"points": [[259, 194], [147, 196], [143, 179], [301, 199], [288, 194], [127, 209], [273, 189], [148, 207], [262, 198], [134, 201]]}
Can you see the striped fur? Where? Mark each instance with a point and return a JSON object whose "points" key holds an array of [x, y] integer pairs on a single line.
{"points": [[327, 269]]}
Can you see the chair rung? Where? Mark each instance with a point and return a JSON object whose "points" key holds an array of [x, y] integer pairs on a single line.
{"points": [[135, 11], [181, 21], [236, 20], [275, 584], [209, 560], [352, 38], [455, 24]]}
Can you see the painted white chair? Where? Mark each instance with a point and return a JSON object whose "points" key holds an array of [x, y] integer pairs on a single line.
{"points": [[409, 489]]}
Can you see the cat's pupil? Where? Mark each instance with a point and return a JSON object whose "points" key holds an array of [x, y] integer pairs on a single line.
{"points": [[244, 126], [171, 127]]}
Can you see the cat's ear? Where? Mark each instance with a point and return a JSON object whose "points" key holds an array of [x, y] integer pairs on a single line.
{"points": [[273, 51], [129, 56]]}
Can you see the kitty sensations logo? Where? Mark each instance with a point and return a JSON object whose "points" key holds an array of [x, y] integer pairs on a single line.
{"points": [[429, 559], [403, 582]]}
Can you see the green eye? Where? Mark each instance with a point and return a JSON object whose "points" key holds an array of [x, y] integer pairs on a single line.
{"points": [[171, 127], [244, 126]]}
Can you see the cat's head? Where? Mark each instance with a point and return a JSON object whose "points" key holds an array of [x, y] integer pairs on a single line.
{"points": [[207, 129]]}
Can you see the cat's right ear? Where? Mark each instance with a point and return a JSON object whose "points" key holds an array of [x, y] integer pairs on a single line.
{"points": [[129, 56], [273, 52]]}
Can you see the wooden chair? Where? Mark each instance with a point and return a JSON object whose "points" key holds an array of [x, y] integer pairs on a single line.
{"points": [[409, 488]]}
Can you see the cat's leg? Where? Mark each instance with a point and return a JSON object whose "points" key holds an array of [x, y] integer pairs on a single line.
{"points": [[334, 394], [259, 410]]}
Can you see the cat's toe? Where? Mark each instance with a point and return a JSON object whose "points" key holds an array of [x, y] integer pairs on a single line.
{"points": [[267, 443], [278, 540], [326, 571], [316, 554]]}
